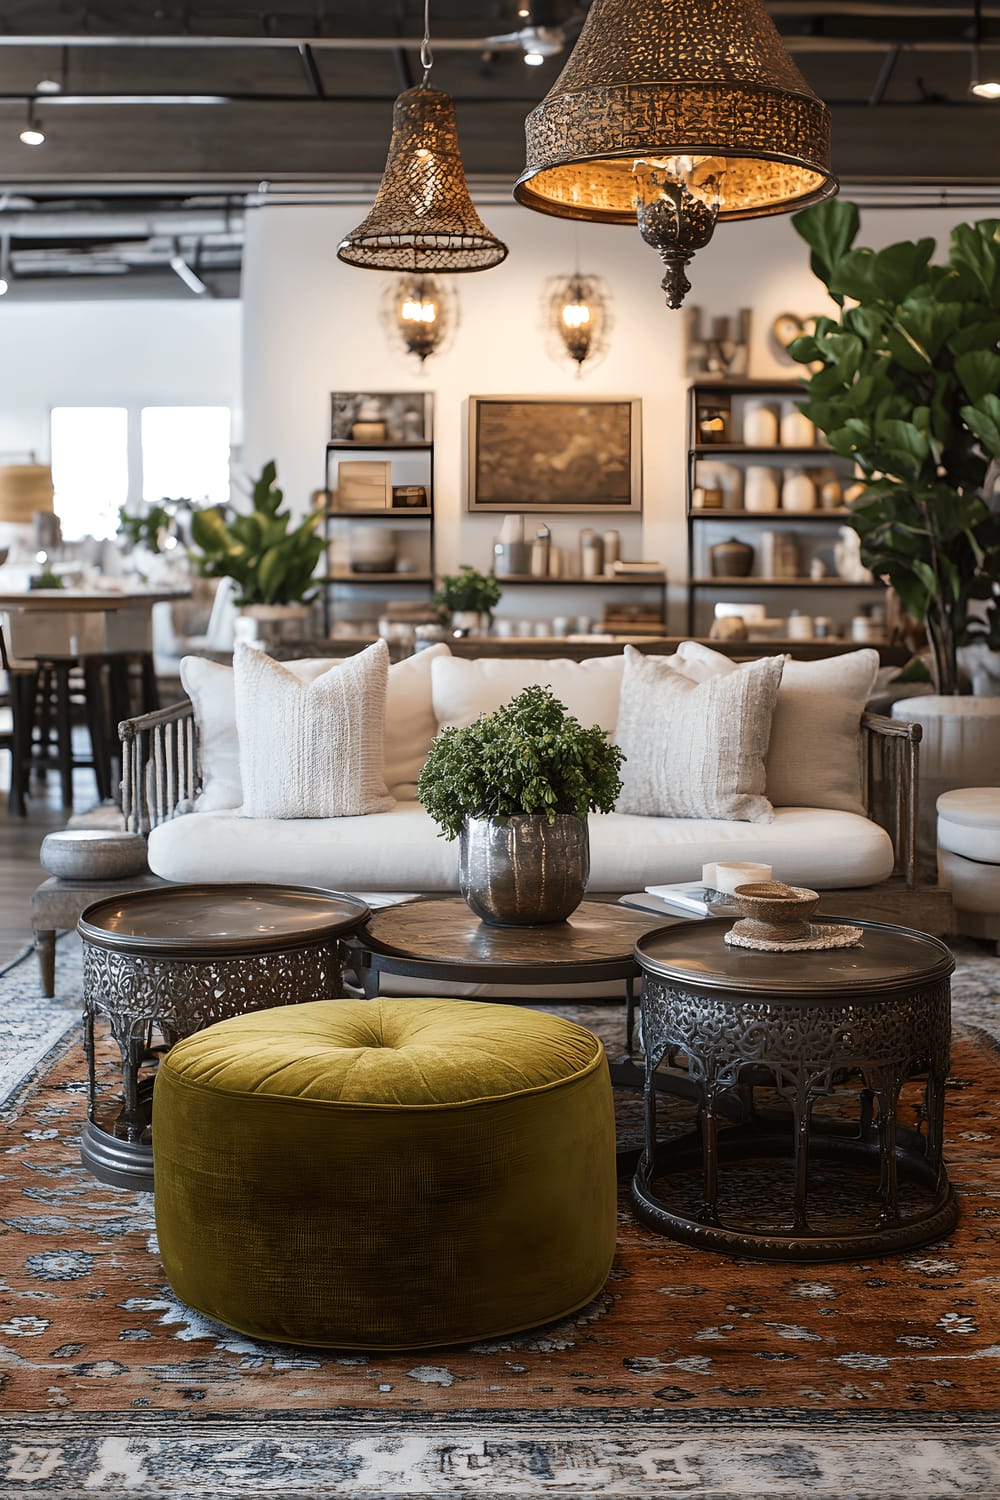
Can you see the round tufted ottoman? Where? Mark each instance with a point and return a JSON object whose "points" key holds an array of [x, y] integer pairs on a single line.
{"points": [[385, 1174], [968, 836]]}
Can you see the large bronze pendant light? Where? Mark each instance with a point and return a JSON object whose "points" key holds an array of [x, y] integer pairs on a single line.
{"points": [[674, 114], [423, 219]]}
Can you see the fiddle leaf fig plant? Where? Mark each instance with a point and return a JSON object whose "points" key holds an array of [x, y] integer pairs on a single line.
{"points": [[531, 756], [906, 382], [270, 562]]}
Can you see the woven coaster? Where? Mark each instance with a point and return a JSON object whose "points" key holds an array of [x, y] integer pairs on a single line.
{"points": [[821, 935]]}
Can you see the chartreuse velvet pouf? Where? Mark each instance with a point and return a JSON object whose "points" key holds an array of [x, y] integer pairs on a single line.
{"points": [[385, 1174]]}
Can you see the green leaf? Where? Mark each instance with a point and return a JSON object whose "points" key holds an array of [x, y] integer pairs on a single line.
{"points": [[975, 248], [984, 420], [979, 373], [894, 272], [830, 229]]}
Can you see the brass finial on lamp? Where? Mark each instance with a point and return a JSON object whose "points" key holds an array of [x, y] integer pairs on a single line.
{"points": [[674, 117], [423, 218]]}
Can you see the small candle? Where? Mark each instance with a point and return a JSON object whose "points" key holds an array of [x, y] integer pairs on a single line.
{"points": [[726, 877]]}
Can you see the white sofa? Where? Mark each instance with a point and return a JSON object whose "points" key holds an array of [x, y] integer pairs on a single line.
{"points": [[182, 784]]}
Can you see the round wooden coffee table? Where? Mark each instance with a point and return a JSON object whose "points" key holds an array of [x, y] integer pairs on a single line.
{"points": [[819, 1080], [441, 938], [179, 958]]}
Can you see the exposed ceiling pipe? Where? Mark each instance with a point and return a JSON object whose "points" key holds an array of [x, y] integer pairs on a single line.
{"points": [[47, 225]]}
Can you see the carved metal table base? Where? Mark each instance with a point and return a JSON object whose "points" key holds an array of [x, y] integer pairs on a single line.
{"points": [[176, 959], [175, 997], [831, 1171]]}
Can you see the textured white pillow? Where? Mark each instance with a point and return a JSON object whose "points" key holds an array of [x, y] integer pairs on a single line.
{"points": [[464, 689], [410, 725], [209, 685], [695, 749], [814, 759], [311, 749]]}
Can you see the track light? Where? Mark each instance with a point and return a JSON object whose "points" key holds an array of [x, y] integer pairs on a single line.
{"points": [[32, 134], [982, 86]]}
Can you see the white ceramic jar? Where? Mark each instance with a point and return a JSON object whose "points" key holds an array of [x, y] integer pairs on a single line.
{"points": [[760, 489], [760, 424], [798, 493], [796, 429]]}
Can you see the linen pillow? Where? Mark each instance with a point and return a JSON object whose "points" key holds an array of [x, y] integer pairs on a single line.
{"points": [[695, 749], [462, 689], [814, 759], [410, 725], [311, 749]]}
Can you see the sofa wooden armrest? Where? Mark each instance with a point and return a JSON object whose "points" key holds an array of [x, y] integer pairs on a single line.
{"points": [[160, 767], [890, 770]]}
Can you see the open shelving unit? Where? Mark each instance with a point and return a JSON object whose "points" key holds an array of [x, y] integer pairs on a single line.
{"points": [[820, 525]]}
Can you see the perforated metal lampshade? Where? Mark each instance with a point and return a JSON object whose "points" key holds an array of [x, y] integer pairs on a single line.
{"points": [[703, 78], [423, 218]]}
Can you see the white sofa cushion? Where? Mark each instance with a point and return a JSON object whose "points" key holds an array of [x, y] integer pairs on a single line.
{"points": [[410, 725], [401, 850], [462, 690], [695, 749], [311, 749], [814, 758]]}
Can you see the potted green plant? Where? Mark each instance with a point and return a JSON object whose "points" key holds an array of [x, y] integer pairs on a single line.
{"points": [[906, 382], [515, 788], [270, 562], [470, 598]]}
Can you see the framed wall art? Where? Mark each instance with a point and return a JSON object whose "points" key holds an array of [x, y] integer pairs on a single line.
{"points": [[396, 417], [555, 453]]}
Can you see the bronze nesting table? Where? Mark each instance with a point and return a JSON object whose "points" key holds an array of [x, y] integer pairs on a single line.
{"points": [[180, 958], [441, 938], [806, 1067]]}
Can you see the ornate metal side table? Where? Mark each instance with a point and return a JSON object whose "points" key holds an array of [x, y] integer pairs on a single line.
{"points": [[820, 1093], [180, 958]]}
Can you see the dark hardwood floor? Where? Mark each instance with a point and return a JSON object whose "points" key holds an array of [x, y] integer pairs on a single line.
{"points": [[20, 839]]}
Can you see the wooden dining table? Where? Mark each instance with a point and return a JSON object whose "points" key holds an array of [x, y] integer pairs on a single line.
{"points": [[108, 635]]}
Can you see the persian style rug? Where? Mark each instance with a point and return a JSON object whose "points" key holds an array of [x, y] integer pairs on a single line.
{"points": [[693, 1374]]}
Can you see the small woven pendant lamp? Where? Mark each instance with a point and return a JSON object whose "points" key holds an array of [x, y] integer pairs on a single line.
{"points": [[423, 219]]}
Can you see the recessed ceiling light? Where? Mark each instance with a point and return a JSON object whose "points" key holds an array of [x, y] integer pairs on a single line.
{"points": [[48, 86], [987, 89], [534, 59], [32, 136]]}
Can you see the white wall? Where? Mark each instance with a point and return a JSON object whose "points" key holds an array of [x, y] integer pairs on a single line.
{"points": [[311, 326], [106, 353]]}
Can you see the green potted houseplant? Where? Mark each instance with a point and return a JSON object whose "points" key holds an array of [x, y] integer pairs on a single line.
{"points": [[270, 562], [470, 598], [515, 788], [906, 382]]}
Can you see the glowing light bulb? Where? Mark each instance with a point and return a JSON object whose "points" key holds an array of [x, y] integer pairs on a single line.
{"points": [[533, 59], [32, 136], [418, 312], [421, 153], [41, 558], [988, 89], [575, 314]]}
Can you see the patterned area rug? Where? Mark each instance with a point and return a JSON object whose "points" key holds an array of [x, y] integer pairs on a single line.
{"points": [[692, 1374]]}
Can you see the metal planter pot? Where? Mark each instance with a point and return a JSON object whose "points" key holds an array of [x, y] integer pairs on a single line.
{"points": [[524, 871]]}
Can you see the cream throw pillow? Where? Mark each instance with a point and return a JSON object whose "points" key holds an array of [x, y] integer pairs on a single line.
{"points": [[695, 749], [311, 750], [814, 759], [410, 725], [463, 689]]}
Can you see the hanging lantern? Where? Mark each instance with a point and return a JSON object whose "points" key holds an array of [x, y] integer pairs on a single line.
{"points": [[420, 314], [423, 218], [675, 117], [577, 316]]}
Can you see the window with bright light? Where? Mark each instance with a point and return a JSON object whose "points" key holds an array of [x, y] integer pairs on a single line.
{"points": [[185, 454], [89, 468]]}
